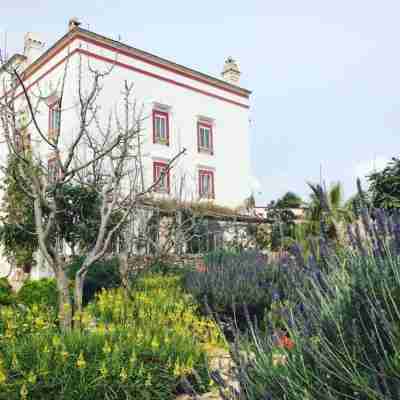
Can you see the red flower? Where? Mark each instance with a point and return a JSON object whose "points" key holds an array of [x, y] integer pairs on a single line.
{"points": [[201, 266], [286, 342]]}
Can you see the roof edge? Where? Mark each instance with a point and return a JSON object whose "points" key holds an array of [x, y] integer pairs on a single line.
{"points": [[167, 62], [149, 57]]}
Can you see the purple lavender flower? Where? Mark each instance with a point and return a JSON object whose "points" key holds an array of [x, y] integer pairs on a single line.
{"points": [[276, 295], [381, 223], [351, 237], [297, 252]]}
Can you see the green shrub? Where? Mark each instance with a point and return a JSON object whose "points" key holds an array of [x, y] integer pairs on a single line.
{"points": [[101, 275], [6, 295], [122, 354], [42, 292], [165, 267]]}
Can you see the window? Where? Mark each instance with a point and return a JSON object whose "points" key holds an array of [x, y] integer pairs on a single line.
{"points": [[54, 120], [205, 138], [160, 127], [206, 184], [163, 177], [52, 170]]}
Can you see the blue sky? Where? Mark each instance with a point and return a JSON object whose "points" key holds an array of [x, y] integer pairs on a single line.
{"points": [[325, 74]]}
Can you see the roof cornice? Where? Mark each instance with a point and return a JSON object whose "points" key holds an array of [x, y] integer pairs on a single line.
{"points": [[92, 37]]}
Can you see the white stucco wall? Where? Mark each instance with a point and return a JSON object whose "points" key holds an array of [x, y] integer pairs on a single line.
{"points": [[231, 159]]}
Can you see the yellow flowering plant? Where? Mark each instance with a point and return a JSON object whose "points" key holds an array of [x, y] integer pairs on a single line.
{"points": [[142, 344]]}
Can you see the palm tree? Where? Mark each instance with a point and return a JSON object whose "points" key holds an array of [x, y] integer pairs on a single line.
{"points": [[327, 209]]}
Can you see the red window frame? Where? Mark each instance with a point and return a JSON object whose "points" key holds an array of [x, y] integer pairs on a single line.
{"points": [[200, 149], [202, 195], [156, 167], [55, 106], [163, 114]]}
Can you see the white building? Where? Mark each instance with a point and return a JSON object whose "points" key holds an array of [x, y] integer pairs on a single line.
{"points": [[185, 108]]}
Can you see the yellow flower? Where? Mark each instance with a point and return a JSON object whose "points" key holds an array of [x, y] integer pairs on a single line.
{"points": [[24, 392], [177, 369], [154, 344], [81, 363], [86, 319], [103, 370], [14, 362], [148, 380], [32, 378], [39, 322], [123, 375], [3, 376], [56, 341], [77, 316], [107, 348], [64, 355], [279, 359], [133, 358]]}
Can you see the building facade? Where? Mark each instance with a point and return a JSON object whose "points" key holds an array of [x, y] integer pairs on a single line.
{"points": [[181, 108]]}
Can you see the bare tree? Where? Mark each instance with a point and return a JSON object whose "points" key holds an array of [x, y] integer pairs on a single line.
{"points": [[100, 151]]}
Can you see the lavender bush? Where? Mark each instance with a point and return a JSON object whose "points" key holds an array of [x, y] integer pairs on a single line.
{"points": [[239, 283], [342, 334]]}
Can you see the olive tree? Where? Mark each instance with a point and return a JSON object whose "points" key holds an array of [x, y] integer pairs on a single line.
{"points": [[101, 152]]}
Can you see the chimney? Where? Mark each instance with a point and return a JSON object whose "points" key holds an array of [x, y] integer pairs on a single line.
{"points": [[231, 71], [73, 23], [33, 47]]}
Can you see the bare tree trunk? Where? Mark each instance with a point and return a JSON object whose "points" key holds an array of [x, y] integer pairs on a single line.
{"points": [[124, 269], [64, 300], [78, 292]]}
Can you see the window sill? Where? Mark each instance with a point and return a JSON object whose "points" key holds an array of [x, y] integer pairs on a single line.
{"points": [[206, 151], [162, 142], [207, 197], [161, 191]]}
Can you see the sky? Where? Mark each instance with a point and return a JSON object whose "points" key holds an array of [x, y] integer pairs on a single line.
{"points": [[325, 75]]}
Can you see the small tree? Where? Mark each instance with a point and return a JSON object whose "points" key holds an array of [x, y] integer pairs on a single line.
{"points": [[289, 200], [385, 186], [282, 230], [17, 233], [101, 154]]}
